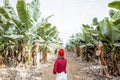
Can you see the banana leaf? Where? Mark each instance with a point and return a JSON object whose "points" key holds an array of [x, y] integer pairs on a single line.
{"points": [[23, 13], [34, 10], [4, 13], [115, 4], [116, 18], [14, 36], [94, 21]]}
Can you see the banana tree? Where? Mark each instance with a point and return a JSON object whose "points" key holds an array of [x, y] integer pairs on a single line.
{"points": [[29, 20], [86, 40], [25, 24], [71, 44], [107, 32], [47, 32], [8, 24], [76, 42], [115, 18], [80, 41]]}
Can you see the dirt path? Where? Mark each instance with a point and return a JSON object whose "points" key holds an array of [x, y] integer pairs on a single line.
{"points": [[72, 69], [76, 70]]}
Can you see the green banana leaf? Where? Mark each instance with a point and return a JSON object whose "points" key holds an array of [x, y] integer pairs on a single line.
{"points": [[6, 26], [116, 18], [94, 21], [13, 36], [4, 13], [109, 31], [8, 11], [116, 22], [115, 4], [34, 10], [23, 13]]}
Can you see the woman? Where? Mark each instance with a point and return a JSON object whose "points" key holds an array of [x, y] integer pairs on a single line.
{"points": [[60, 66]]}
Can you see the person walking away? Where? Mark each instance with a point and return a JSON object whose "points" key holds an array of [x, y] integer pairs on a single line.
{"points": [[60, 66]]}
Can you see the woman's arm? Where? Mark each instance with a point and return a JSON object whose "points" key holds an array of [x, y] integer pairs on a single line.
{"points": [[55, 67]]}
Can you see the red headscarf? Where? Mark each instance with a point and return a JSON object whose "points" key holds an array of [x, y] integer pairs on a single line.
{"points": [[61, 52]]}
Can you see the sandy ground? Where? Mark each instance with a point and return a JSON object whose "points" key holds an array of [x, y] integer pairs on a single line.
{"points": [[76, 70]]}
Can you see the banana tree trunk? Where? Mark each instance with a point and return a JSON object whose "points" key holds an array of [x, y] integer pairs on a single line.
{"points": [[77, 51], [29, 52], [104, 63], [35, 53], [20, 53], [44, 57], [115, 70], [34, 57], [86, 54], [9, 58], [103, 58], [1, 61]]}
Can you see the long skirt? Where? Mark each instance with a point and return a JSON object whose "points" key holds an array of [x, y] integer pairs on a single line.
{"points": [[61, 76]]}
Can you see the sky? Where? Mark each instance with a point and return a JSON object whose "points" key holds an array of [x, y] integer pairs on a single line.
{"points": [[69, 15]]}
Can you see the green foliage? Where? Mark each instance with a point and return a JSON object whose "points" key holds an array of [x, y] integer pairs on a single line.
{"points": [[34, 10], [23, 13], [106, 30], [24, 26], [115, 4]]}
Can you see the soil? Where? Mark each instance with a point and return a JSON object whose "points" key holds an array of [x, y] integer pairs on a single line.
{"points": [[76, 70]]}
